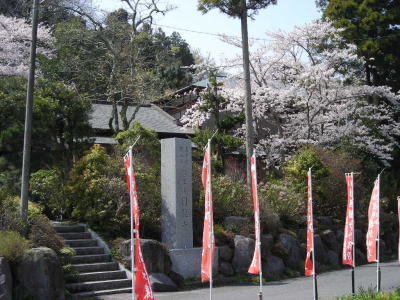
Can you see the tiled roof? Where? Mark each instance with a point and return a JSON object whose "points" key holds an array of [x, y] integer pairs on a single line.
{"points": [[149, 116]]}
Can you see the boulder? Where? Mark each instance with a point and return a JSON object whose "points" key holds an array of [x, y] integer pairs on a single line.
{"points": [[273, 267], [302, 234], [329, 239], [235, 224], [155, 255], [320, 250], [226, 269], [293, 250], [6, 282], [267, 242], [177, 279], [40, 275], [243, 254], [333, 258], [162, 283], [340, 236], [225, 253]]}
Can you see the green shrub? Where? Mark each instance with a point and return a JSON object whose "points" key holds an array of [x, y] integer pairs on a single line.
{"points": [[230, 198], [13, 246], [66, 255], [98, 194], [48, 188], [10, 219], [280, 196], [328, 179], [42, 234]]}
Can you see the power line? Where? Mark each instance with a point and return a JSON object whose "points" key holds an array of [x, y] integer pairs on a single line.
{"points": [[261, 39]]}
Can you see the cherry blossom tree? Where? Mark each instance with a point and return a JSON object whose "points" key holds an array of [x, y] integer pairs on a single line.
{"points": [[15, 35], [308, 88]]}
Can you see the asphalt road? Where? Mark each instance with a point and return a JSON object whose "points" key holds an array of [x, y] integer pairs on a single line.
{"points": [[330, 285]]}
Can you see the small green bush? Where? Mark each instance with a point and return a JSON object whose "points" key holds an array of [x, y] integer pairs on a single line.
{"points": [[42, 234], [66, 255], [10, 219], [372, 295], [13, 246], [230, 198], [47, 187]]}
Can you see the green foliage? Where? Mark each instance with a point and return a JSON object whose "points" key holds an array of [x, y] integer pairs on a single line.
{"points": [[66, 254], [373, 26], [148, 147], [97, 192], [12, 246], [281, 197], [60, 118], [48, 187], [287, 196], [372, 295], [234, 8], [220, 144], [230, 198], [42, 234]]}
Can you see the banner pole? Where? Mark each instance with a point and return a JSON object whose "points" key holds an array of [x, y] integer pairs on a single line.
{"points": [[378, 268], [353, 287], [259, 227], [313, 243], [133, 267], [211, 238]]}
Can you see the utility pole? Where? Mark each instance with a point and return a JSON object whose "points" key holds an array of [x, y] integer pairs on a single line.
{"points": [[26, 160], [248, 104]]}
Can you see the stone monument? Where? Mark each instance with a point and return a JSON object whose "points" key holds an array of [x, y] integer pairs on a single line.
{"points": [[176, 208], [176, 193]]}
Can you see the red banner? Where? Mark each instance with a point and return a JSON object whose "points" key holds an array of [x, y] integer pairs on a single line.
{"points": [[398, 203], [309, 265], [373, 223], [255, 267], [348, 241], [142, 281], [208, 232]]}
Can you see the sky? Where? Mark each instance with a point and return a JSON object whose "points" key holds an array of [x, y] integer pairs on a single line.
{"points": [[283, 16]]}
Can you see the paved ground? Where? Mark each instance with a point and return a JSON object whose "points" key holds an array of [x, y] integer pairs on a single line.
{"points": [[330, 285]]}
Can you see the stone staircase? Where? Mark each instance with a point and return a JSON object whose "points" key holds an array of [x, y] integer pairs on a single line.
{"points": [[98, 274]]}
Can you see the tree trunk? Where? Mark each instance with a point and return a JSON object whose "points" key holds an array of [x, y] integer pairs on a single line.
{"points": [[248, 105]]}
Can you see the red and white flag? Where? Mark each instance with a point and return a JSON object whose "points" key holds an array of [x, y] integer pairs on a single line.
{"points": [[373, 223], [398, 208], [255, 267], [208, 232], [143, 289], [309, 265], [348, 241]]}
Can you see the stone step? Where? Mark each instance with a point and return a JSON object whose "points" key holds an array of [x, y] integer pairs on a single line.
{"points": [[88, 250], [94, 294], [98, 285], [97, 267], [87, 259], [96, 276], [75, 235], [81, 243], [69, 228]]}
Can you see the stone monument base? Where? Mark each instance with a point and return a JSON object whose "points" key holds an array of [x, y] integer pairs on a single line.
{"points": [[187, 262]]}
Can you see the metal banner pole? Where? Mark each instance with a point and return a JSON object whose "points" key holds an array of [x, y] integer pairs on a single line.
{"points": [[133, 266], [353, 283], [378, 268], [313, 246], [211, 229]]}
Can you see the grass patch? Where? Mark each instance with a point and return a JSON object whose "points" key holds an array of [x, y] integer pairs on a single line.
{"points": [[372, 295]]}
